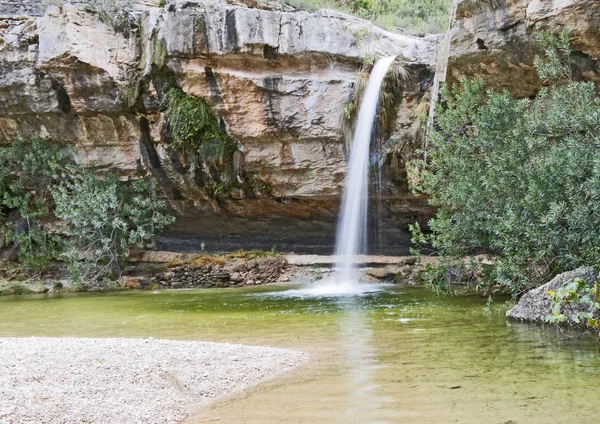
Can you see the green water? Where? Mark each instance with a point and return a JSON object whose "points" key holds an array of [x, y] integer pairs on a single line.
{"points": [[396, 356]]}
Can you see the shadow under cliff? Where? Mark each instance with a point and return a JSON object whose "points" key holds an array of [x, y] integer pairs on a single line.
{"points": [[303, 226]]}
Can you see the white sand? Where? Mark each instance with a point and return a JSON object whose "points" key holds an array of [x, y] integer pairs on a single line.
{"points": [[67, 380]]}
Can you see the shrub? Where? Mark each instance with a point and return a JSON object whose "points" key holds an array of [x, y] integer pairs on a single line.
{"points": [[436, 278], [101, 217], [517, 179], [55, 210], [26, 175]]}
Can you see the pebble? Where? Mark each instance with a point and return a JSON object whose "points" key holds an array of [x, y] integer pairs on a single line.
{"points": [[69, 380]]}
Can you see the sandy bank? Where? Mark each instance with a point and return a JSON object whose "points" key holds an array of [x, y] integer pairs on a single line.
{"points": [[68, 380]]}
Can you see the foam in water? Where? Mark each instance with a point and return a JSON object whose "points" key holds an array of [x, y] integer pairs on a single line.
{"points": [[351, 236], [331, 289]]}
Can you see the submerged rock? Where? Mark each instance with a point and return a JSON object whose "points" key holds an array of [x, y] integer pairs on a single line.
{"points": [[536, 304]]}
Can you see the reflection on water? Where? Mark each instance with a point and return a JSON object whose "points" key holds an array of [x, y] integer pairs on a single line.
{"points": [[356, 341], [333, 289], [565, 352], [394, 356]]}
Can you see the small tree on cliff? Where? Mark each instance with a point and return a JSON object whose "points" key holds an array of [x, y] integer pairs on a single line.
{"points": [[517, 179]]}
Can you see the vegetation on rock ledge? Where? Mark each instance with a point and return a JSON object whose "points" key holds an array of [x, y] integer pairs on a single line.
{"points": [[582, 299], [423, 16], [193, 125], [199, 135]]}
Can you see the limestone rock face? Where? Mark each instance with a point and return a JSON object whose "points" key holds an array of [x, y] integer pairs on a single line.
{"points": [[535, 305], [494, 40], [19, 7], [60, 82], [277, 80]]}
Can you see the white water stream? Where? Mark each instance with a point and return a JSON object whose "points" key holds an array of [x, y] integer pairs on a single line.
{"points": [[351, 238]]}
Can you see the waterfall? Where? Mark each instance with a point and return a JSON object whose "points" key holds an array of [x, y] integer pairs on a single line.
{"points": [[351, 230], [351, 235]]}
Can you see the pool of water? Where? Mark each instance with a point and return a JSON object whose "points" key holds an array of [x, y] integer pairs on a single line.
{"points": [[399, 355]]}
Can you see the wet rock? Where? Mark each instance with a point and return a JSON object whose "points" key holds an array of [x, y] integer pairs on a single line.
{"points": [[130, 283], [535, 305], [407, 260], [226, 273], [380, 273], [405, 271], [221, 276]]}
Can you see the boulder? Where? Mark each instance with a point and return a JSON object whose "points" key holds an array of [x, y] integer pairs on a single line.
{"points": [[536, 304], [131, 283], [380, 273]]}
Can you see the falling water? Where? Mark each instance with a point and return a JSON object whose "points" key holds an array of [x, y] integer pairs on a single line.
{"points": [[352, 225], [378, 161], [351, 230]]}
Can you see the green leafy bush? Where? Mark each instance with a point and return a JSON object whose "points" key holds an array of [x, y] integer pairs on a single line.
{"points": [[101, 217], [52, 209], [436, 277], [517, 179], [584, 301], [26, 175]]}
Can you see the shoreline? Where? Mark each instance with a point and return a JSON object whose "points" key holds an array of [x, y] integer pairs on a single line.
{"points": [[121, 380], [157, 270]]}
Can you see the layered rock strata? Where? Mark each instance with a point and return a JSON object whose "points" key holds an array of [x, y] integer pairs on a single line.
{"points": [[277, 82]]}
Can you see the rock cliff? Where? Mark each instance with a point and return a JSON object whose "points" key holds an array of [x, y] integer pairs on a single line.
{"points": [[277, 81], [493, 40]]}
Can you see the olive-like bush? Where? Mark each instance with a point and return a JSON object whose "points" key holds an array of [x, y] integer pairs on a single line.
{"points": [[52, 209], [517, 179]]}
